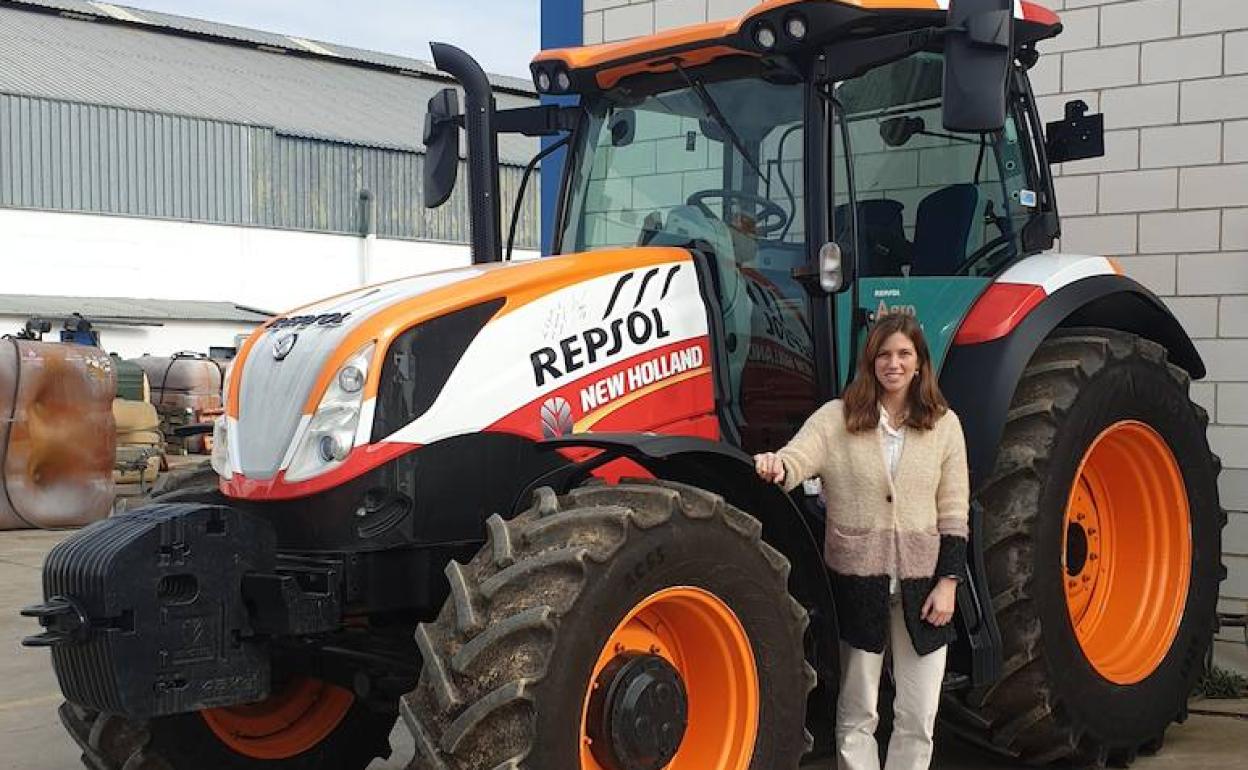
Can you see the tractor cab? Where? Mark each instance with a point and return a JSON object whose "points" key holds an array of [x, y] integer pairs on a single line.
{"points": [[710, 134], [826, 160]]}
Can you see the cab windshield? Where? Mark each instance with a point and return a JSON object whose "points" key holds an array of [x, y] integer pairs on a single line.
{"points": [[715, 162]]}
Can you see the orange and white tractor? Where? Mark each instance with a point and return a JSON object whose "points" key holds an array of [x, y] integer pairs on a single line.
{"points": [[513, 503]]}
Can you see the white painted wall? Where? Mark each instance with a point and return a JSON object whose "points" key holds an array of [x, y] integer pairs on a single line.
{"points": [[89, 255]]}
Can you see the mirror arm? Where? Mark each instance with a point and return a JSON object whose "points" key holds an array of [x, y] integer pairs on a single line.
{"points": [[851, 58], [434, 124], [541, 120], [950, 137]]}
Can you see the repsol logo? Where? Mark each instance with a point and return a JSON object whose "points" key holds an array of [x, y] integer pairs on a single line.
{"points": [[608, 337], [587, 347], [304, 321]]}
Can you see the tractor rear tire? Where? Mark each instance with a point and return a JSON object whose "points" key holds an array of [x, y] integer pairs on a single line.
{"points": [[1088, 677], [512, 659]]}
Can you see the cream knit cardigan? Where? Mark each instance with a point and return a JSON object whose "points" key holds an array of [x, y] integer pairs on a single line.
{"points": [[877, 523]]}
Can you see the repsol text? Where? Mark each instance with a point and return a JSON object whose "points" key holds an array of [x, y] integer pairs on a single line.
{"points": [[586, 347]]}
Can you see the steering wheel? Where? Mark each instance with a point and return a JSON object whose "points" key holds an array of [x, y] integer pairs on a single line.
{"points": [[1006, 236], [770, 216]]}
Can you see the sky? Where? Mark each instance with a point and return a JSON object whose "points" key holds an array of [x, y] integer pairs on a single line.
{"points": [[503, 35]]}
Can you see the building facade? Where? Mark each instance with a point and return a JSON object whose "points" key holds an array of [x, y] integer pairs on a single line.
{"points": [[1169, 199], [155, 156]]}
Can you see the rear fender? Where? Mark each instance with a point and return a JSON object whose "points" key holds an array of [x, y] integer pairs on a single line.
{"points": [[979, 379]]}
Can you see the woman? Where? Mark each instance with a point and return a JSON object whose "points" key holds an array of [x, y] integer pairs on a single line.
{"points": [[892, 460]]}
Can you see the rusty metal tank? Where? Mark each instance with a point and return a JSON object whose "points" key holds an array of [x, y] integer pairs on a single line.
{"points": [[57, 441], [184, 380]]}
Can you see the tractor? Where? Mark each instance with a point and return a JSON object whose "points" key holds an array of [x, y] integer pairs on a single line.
{"points": [[513, 504]]}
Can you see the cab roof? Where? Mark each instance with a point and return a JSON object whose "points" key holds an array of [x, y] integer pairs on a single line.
{"points": [[602, 66]]}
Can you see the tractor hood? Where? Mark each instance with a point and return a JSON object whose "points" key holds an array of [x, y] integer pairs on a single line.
{"points": [[323, 363]]}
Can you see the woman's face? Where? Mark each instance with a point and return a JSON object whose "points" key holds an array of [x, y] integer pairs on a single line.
{"points": [[896, 363]]}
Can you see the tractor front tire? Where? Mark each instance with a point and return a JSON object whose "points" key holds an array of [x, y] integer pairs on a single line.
{"points": [[603, 593], [358, 733], [188, 742], [1102, 546]]}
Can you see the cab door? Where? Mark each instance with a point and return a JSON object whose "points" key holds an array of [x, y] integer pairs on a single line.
{"points": [[937, 213]]}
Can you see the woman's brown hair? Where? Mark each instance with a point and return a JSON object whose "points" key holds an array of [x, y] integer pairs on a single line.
{"points": [[926, 404]]}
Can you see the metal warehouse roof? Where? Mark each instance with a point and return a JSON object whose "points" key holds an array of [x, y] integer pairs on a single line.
{"points": [[127, 309], [99, 53]]}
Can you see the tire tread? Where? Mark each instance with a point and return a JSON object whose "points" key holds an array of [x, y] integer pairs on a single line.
{"points": [[996, 717], [519, 592]]}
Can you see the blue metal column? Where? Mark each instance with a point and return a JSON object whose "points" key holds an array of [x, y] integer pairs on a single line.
{"points": [[562, 26]]}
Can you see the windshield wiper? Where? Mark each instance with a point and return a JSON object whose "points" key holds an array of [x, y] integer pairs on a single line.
{"points": [[712, 110]]}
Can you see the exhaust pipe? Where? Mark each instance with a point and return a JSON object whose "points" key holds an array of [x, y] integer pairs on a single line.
{"points": [[483, 195]]}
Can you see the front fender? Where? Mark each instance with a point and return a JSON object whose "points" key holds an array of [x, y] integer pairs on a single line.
{"points": [[726, 470]]}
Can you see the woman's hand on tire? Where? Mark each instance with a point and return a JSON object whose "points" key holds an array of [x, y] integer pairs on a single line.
{"points": [[938, 609], [770, 468]]}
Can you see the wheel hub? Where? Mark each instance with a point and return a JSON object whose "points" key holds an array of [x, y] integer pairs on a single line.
{"points": [[1082, 557], [675, 686], [1076, 549], [638, 713]]}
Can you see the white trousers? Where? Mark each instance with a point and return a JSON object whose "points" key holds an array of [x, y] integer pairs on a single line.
{"points": [[919, 679]]}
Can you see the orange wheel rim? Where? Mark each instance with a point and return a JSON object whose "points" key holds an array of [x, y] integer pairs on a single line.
{"points": [[701, 637], [288, 723], [1127, 551]]}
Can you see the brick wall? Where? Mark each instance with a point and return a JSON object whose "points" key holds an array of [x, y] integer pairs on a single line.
{"points": [[1171, 77], [1170, 197]]}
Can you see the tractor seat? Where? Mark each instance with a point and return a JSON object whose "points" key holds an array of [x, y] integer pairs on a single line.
{"points": [[882, 233], [942, 229]]}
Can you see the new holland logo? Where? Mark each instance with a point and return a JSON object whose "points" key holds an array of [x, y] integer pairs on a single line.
{"points": [[283, 345], [556, 417]]}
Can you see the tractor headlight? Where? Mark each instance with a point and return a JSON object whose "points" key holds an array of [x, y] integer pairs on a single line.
{"points": [[351, 379], [795, 27], [331, 432], [221, 448], [220, 457], [765, 36]]}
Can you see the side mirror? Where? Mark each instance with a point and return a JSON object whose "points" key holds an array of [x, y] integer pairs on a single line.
{"points": [[897, 131], [978, 51], [712, 130], [441, 147], [623, 128]]}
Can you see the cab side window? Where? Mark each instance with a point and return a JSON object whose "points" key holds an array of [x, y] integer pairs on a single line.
{"points": [[927, 201]]}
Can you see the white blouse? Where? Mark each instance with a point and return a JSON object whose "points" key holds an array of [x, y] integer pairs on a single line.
{"points": [[891, 440]]}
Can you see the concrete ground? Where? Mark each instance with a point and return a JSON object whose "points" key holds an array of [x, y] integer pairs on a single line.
{"points": [[31, 737]]}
